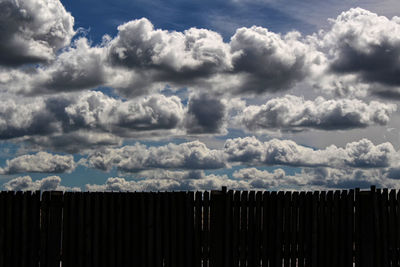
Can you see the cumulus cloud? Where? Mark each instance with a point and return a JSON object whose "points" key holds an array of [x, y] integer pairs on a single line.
{"points": [[90, 118], [269, 62], [362, 53], [209, 182], [360, 154], [39, 162], [176, 55], [264, 179], [292, 113], [191, 155], [33, 30], [25, 183], [142, 59], [206, 114]]}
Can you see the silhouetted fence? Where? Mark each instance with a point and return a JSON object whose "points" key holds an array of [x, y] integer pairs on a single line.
{"points": [[202, 229]]}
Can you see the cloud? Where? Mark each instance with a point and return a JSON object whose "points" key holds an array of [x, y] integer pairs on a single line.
{"points": [[209, 182], [191, 155], [206, 114], [268, 62], [264, 179], [362, 51], [33, 30], [40, 162], [25, 183], [142, 59], [94, 110], [360, 154], [78, 141], [292, 113], [88, 119]]}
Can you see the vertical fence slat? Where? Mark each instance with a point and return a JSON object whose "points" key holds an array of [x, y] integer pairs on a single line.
{"points": [[174, 230], [119, 223], [236, 229], [342, 228], [321, 229], [81, 229], [243, 228], [329, 228], [349, 237], [314, 231], [158, 239], [293, 230], [180, 231], [96, 229], [34, 239], [198, 231], [258, 227], [366, 229], [392, 227], [250, 230], [301, 235], [206, 229], [286, 229], [189, 229], [17, 227], [2, 226], [66, 237], [150, 229], [9, 239], [228, 250], [279, 229], [265, 229], [217, 219], [166, 229], [384, 231]]}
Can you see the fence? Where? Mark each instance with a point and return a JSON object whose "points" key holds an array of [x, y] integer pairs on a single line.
{"points": [[201, 229]]}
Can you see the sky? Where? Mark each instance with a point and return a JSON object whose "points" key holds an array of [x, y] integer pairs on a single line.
{"points": [[176, 95]]}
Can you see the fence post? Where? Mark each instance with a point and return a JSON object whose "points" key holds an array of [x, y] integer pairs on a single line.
{"points": [[217, 228]]}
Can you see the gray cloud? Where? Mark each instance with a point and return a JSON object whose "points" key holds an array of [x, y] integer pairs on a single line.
{"points": [[191, 155], [206, 114], [25, 183], [292, 113], [39, 162], [32, 31]]}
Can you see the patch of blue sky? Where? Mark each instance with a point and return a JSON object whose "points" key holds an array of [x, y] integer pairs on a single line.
{"points": [[224, 16]]}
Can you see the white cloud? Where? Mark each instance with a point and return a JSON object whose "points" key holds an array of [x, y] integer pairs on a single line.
{"points": [[191, 155], [292, 113], [360, 154], [25, 183], [33, 30], [362, 51], [39, 162]]}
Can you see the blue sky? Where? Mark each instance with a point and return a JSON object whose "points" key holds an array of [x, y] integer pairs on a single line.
{"points": [[176, 95]]}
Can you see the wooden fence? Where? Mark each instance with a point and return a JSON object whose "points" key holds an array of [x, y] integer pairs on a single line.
{"points": [[200, 229]]}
